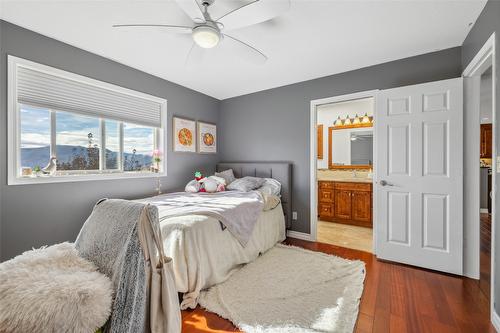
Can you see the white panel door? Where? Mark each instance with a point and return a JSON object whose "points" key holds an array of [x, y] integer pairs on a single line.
{"points": [[419, 142]]}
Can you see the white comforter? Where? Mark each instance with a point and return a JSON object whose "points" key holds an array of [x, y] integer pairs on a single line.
{"points": [[237, 211], [203, 254]]}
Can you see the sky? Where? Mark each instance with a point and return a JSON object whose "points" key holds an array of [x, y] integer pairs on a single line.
{"points": [[73, 129]]}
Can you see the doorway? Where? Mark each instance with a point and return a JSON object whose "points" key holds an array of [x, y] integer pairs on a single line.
{"points": [[485, 181], [343, 171], [479, 92]]}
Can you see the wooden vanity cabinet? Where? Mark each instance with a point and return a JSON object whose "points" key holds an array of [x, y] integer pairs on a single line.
{"points": [[345, 202], [325, 200], [362, 207], [486, 141]]}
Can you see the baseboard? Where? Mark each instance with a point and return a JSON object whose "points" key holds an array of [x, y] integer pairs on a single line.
{"points": [[495, 320], [298, 235], [483, 210]]}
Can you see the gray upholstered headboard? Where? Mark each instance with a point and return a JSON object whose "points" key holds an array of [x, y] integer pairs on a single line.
{"points": [[281, 171]]}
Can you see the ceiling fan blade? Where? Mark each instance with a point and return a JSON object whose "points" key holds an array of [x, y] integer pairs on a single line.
{"points": [[245, 51], [253, 13], [158, 27], [195, 56], [192, 9]]}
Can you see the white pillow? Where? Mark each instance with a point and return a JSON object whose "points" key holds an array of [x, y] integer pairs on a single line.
{"points": [[219, 180], [271, 187]]}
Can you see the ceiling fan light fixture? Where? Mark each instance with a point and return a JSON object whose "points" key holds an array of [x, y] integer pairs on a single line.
{"points": [[206, 36]]}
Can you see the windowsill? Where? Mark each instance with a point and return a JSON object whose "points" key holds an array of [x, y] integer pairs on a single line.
{"points": [[82, 177]]}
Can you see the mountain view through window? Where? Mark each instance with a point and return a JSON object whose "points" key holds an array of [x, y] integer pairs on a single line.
{"points": [[78, 142]]}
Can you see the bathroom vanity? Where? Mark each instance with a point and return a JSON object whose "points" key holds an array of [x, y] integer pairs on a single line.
{"points": [[347, 201]]}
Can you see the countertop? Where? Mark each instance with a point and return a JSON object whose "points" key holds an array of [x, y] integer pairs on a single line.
{"points": [[348, 180], [344, 176]]}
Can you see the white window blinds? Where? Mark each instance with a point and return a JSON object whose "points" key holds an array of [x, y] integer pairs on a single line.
{"points": [[55, 89]]}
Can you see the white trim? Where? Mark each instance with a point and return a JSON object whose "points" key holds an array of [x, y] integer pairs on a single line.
{"points": [[313, 157], [495, 320], [83, 177], [483, 210], [13, 135], [471, 181], [481, 56], [480, 62], [102, 150], [298, 235]]}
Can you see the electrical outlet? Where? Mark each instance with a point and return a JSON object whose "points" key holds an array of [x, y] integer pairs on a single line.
{"points": [[294, 215]]}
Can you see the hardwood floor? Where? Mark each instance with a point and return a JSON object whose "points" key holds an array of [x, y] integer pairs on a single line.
{"points": [[396, 298], [485, 254]]}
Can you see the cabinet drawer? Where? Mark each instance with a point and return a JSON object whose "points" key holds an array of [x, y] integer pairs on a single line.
{"points": [[325, 185], [325, 210], [326, 195], [353, 186]]}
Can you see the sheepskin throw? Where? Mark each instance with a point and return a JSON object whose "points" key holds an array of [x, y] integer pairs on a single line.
{"points": [[52, 289], [289, 289]]}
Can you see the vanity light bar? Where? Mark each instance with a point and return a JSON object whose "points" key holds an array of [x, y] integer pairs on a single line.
{"points": [[366, 120]]}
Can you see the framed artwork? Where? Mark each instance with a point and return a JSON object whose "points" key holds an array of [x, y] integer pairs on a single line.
{"points": [[184, 132], [207, 138]]}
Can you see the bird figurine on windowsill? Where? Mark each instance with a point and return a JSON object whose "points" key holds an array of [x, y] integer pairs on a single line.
{"points": [[51, 167]]}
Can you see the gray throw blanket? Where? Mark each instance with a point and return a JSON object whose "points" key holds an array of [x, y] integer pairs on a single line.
{"points": [[109, 238], [237, 211]]}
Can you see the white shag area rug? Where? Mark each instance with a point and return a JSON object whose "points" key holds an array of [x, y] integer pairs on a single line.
{"points": [[290, 289], [53, 289]]}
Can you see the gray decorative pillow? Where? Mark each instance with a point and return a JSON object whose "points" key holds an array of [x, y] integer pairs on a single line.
{"points": [[246, 184], [228, 176]]}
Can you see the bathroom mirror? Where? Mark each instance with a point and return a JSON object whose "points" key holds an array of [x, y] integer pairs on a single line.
{"points": [[350, 148]]}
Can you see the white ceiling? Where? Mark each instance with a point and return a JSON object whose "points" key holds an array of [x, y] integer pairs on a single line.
{"points": [[313, 39]]}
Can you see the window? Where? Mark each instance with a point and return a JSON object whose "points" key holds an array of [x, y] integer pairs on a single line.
{"points": [[112, 144], [35, 136], [77, 142], [93, 129], [138, 145]]}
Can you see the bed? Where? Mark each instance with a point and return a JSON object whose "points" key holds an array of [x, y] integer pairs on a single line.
{"points": [[205, 254]]}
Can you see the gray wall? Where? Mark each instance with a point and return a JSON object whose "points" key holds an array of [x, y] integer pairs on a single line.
{"points": [[35, 215], [273, 125], [487, 23]]}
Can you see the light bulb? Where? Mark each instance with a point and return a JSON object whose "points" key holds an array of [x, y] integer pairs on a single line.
{"points": [[356, 120], [366, 119], [347, 120], [206, 37], [338, 122]]}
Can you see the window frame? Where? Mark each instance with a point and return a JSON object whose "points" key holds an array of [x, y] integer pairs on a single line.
{"points": [[14, 132]]}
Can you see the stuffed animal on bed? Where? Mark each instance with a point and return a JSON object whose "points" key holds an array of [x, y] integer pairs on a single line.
{"points": [[211, 184], [198, 176]]}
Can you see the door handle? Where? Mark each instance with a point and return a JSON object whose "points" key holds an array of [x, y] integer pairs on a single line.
{"points": [[385, 183]]}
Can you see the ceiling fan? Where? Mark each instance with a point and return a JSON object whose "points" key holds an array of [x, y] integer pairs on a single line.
{"points": [[208, 33]]}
